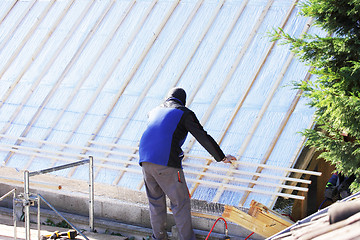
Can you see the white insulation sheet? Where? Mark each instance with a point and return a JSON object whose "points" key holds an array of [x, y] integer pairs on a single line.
{"points": [[79, 77]]}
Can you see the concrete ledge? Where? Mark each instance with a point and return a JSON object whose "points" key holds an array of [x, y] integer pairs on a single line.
{"points": [[114, 205]]}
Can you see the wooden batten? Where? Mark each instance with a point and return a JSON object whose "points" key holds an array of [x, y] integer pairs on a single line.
{"points": [[260, 219]]}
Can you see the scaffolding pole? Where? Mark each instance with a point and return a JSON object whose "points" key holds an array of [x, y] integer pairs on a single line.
{"points": [[27, 202]]}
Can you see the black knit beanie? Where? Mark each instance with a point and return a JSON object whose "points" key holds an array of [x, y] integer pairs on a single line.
{"points": [[177, 94]]}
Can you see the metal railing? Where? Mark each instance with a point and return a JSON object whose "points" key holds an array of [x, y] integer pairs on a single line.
{"points": [[29, 199], [13, 191]]}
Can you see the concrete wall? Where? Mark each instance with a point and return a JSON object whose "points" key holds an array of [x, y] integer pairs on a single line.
{"points": [[115, 207]]}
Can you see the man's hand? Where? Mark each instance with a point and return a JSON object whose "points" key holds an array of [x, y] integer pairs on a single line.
{"points": [[228, 158]]}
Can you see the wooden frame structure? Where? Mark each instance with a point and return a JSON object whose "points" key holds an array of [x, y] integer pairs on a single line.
{"points": [[115, 43]]}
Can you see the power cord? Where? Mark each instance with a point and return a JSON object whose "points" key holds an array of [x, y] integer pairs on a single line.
{"points": [[226, 230]]}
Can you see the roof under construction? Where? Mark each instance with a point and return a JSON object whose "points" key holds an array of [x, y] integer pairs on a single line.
{"points": [[78, 78]]}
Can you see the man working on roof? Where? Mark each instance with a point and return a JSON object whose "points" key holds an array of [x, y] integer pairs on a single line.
{"points": [[160, 157]]}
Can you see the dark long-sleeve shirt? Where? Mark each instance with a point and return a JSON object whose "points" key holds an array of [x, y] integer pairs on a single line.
{"points": [[167, 129]]}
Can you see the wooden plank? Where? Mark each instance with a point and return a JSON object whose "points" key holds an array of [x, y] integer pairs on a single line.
{"points": [[239, 104], [240, 188], [264, 223], [213, 60], [20, 19], [259, 208], [243, 219], [137, 65], [98, 90], [8, 11], [70, 146], [159, 68], [96, 59], [244, 180], [235, 171], [204, 215], [114, 66], [252, 35], [199, 41], [284, 169], [80, 82], [20, 46], [69, 157], [275, 139], [29, 63], [218, 95], [264, 108], [53, 154], [37, 151], [45, 70], [67, 69]]}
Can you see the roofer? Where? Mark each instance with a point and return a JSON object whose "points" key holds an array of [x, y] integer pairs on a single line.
{"points": [[161, 156]]}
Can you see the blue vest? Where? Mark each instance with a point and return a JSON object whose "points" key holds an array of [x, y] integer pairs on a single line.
{"points": [[162, 140]]}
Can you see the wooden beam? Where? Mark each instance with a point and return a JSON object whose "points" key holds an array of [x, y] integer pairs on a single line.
{"points": [[20, 46], [135, 68], [9, 147], [249, 40], [67, 69], [30, 62], [240, 188], [45, 70], [114, 66], [20, 19], [275, 139], [243, 219], [168, 54], [51, 154], [218, 95], [263, 110], [140, 99], [199, 41], [69, 157], [6, 13], [260, 219]]}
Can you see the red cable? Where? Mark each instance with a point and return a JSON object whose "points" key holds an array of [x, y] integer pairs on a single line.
{"points": [[225, 228], [214, 226], [249, 235]]}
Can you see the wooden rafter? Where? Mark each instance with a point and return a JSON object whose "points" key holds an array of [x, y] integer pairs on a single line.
{"points": [[6, 13], [69, 66], [172, 47], [43, 73], [20, 19], [198, 42], [203, 172], [109, 74], [277, 136], [114, 66], [149, 84], [30, 62], [230, 74], [69, 157], [259, 219], [262, 112], [22, 44], [265, 105]]}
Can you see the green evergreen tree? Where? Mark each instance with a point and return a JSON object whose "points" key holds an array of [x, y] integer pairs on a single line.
{"points": [[335, 94]]}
